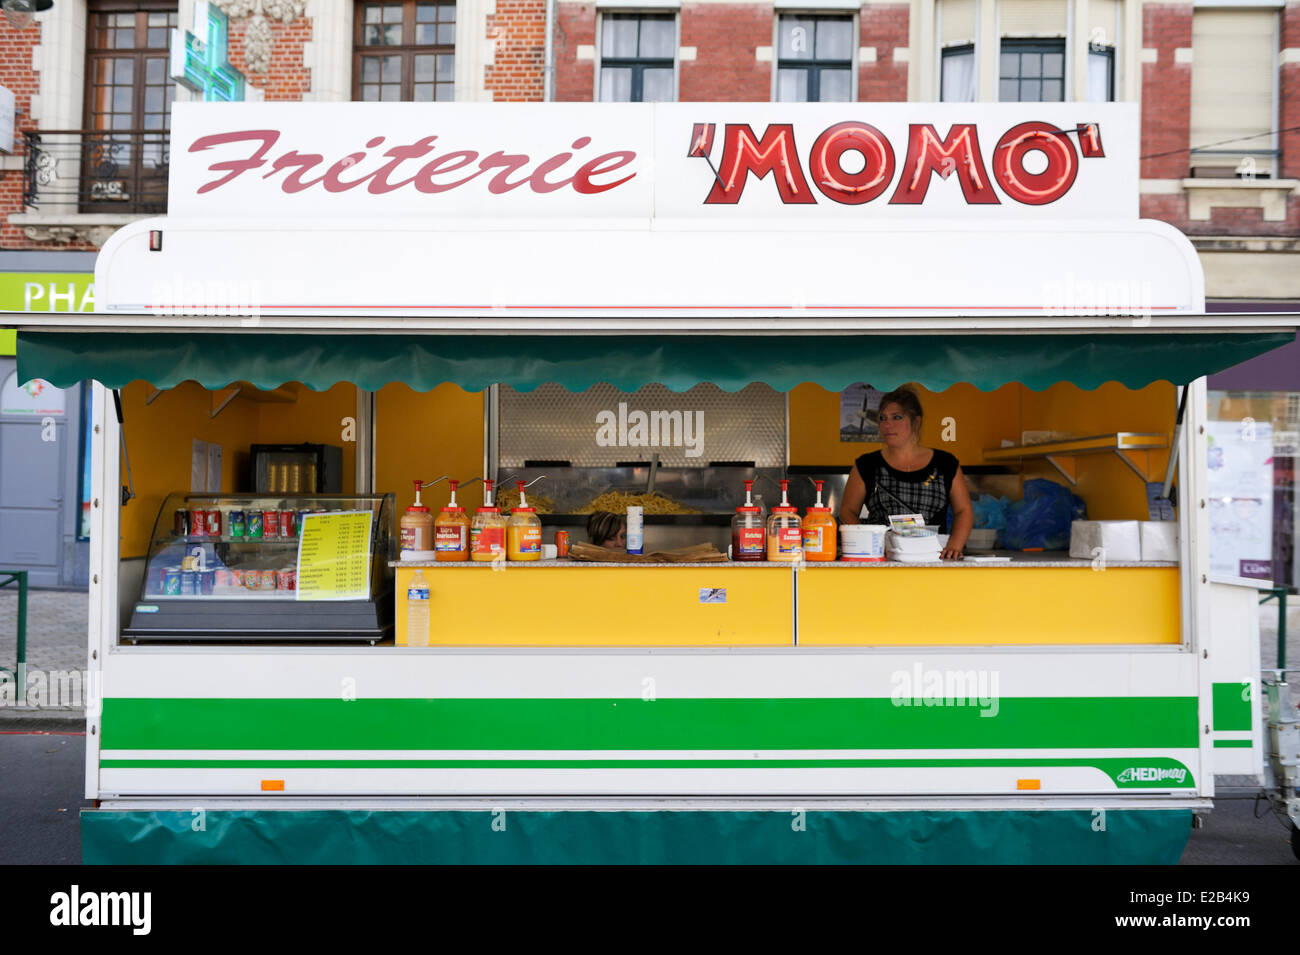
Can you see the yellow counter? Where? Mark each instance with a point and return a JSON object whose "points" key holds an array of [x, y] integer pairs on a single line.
{"points": [[1042, 600]]}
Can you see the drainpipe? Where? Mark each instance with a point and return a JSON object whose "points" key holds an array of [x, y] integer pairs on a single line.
{"points": [[548, 71]]}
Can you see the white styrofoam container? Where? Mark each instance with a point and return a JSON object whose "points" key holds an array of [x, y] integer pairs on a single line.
{"points": [[1159, 540], [1118, 540]]}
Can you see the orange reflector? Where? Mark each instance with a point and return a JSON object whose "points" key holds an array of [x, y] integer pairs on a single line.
{"points": [[1023, 784], [277, 785]]}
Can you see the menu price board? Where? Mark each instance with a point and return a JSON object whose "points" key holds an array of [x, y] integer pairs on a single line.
{"points": [[334, 556]]}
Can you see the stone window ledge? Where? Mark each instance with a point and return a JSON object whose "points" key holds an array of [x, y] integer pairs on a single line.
{"points": [[1270, 195], [91, 228]]}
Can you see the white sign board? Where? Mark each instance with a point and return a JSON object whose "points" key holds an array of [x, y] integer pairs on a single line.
{"points": [[840, 163], [35, 397], [1240, 466]]}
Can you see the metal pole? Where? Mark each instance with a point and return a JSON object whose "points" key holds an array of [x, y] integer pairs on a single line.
{"points": [[22, 632]]}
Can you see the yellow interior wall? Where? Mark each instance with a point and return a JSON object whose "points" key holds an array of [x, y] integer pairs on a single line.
{"points": [[426, 435], [160, 437], [1111, 490], [984, 419]]}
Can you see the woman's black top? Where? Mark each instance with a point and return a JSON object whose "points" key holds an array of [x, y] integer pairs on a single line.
{"points": [[924, 491]]}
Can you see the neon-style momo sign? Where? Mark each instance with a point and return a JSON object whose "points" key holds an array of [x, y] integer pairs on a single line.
{"points": [[775, 152]]}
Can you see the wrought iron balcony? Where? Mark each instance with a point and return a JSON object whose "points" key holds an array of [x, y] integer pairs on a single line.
{"points": [[89, 171]]}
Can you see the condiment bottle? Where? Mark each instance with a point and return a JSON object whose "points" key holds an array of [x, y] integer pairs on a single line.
{"points": [[524, 530], [784, 531], [416, 531], [451, 530], [819, 528], [487, 532], [748, 536]]}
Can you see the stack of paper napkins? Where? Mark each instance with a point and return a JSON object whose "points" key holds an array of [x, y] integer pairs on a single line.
{"points": [[1117, 540], [1159, 540], [1124, 540]]}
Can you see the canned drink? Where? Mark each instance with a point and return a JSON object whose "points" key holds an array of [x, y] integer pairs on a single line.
{"points": [[288, 523], [207, 582], [235, 525], [171, 581], [190, 583], [181, 524], [214, 522], [252, 580], [198, 523], [271, 523], [266, 579], [255, 525], [562, 543], [284, 580], [225, 578]]}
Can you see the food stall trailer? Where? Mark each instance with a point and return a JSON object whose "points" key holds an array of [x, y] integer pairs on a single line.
{"points": [[365, 275]]}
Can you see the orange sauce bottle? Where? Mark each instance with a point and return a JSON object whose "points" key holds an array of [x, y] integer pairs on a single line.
{"points": [[416, 525], [524, 531], [784, 530], [487, 532], [819, 530], [451, 530]]}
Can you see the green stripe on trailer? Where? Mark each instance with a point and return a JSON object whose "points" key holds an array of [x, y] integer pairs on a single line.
{"points": [[316, 837], [1232, 744], [1167, 722], [1231, 706]]}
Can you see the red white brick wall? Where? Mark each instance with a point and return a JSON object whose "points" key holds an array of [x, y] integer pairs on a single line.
{"points": [[725, 36], [288, 78], [883, 26], [517, 32], [575, 26], [1166, 125]]}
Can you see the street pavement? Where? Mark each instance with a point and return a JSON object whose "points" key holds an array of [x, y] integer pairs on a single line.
{"points": [[43, 766]]}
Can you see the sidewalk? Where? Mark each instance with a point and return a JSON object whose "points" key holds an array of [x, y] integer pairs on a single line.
{"points": [[56, 644]]}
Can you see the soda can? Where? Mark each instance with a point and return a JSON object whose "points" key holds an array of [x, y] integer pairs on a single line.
{"points": [[181, 527], [288, 523], [284, 580], [207, 582], [252, 580], [214, 522], [271, 523], [235, 525], [190, 583], [255, 525], [225, 578], [198, 523], [266, 579], [171, 581], [562, 543]]}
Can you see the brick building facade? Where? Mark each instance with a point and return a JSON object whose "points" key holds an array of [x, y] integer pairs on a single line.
{"points": [[1172, 58]]}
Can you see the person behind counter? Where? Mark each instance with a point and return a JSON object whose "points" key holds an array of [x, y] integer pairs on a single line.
{"points": [[605, 529], [905, 477]]}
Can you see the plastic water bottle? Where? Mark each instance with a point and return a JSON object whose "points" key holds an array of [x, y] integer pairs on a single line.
{"points": [[417, 611], [635, 530]]}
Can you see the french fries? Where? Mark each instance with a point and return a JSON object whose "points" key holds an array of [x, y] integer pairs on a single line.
{"points": [[617, 502], [508, 499]]}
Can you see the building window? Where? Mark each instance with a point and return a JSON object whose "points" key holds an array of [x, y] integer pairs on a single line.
{"points": [[815, 62], [957, 76], [128, 106], [404, 52], [1234, 109], [1031, 71], [636, 58], [1101, 74]]}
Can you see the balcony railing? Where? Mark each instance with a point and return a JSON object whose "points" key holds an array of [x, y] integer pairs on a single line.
{"points": [[82, 170]]}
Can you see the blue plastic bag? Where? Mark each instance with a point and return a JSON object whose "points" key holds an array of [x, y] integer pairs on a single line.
{"points": [[1043, 518]]}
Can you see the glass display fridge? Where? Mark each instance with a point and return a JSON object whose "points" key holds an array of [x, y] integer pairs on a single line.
{"points": [[227, 567]]}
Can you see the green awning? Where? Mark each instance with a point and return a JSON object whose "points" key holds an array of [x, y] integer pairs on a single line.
{"points": [[935, 361]]}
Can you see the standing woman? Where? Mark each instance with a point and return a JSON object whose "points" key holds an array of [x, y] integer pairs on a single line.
{"points": [[905, 477]]}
